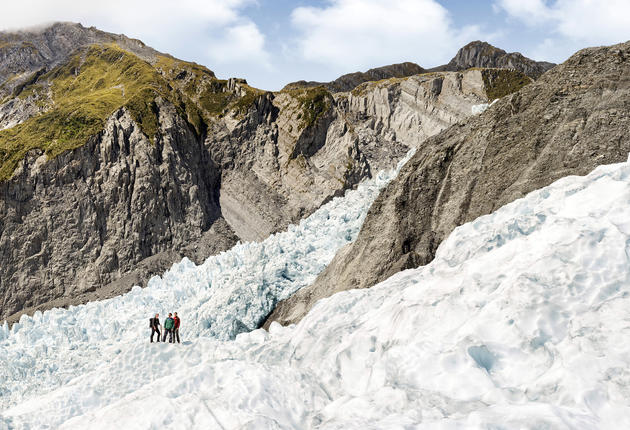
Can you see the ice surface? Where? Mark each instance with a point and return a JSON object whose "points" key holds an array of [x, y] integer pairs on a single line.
{"points": [[228, 294], [481, 108], [521, 321]]}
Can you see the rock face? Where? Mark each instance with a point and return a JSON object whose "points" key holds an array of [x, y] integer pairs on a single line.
{"points": [[111, 213], [574, 118], [482, 54], [17, 110], [352, 80], [276, 171], [25, 54], [185, 166]]}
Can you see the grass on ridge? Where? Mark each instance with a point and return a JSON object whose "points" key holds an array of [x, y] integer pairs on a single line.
{"points": [[101, 79]]}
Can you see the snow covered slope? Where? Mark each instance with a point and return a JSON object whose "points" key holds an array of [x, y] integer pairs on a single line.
{"points": [[521, 321]]}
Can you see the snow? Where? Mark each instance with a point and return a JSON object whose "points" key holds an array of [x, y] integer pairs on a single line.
{"points": [[521, 321], [482, 107]]}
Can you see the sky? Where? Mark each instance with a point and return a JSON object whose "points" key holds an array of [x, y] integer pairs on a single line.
{"points": [[273, 42]]}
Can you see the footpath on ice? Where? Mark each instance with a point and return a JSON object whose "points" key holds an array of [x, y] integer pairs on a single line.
{"points": [[521, 321]]}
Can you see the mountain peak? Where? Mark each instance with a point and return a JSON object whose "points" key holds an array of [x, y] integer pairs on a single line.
{"points": [[26, 52], [482, 54], [480, 44]]}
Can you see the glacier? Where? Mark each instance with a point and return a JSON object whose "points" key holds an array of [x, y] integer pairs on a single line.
{"points": [[228, 294], [482, 107], [522, 320]]}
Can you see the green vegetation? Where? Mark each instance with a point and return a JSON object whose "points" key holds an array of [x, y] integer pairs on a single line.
{"points": [[213, 97], [29, 45], [244, 103], [498, 82], [85, 91], [501, 82], [348, 172], [209, 93], [362, 89], [29, 81], [215, 100], [314, 102], [4, 85], [102, 79]]}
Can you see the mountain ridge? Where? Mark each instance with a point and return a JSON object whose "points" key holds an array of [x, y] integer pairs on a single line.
{"points": [[115, 166], [25, 52], [476, 54], [350, 81]]}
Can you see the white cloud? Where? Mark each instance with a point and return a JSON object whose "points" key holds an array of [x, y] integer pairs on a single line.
{"points": [[355, 34], [242, 43], [186, 28], [532, 12], [587, 21], [150, 16]]}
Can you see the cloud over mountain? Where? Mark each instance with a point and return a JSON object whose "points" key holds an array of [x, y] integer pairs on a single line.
{"points": [[362, 33], [571, 24], [218, 28]]}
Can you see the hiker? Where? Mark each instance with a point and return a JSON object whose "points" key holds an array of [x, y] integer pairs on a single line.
{"points": [[154, 323], [176, 329], [168, 328]]}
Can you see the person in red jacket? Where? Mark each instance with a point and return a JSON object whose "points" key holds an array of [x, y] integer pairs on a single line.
{"points": [[176, 328]]}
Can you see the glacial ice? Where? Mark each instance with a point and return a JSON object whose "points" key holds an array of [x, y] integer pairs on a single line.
{"points": [[482, 107], [229, 293], [521, 321]]}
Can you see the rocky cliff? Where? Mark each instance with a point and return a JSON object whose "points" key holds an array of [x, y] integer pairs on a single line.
{"points": [[315, 145], [115, 161], [108, 214], [572, 119]]}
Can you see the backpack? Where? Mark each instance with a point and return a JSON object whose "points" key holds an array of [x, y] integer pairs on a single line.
{"points": [[150, 322]]}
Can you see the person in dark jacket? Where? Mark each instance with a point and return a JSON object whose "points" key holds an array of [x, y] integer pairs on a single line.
{"points": [[176, 329], [168, 328], [155, 327]]}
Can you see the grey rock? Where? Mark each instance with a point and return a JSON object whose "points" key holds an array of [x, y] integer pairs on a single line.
{"points": [[95, 221], [106, 212], [17, 110], [475, 54], [275, 172], [572, 119]]}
